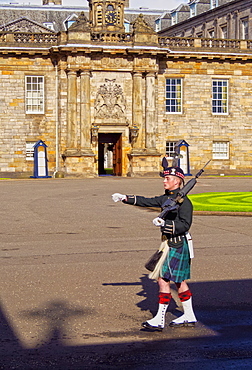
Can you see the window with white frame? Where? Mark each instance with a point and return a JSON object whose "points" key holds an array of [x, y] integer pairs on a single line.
{"points": [[214, 4], [224, 32], [126, 26], [49, 25], [170, 148], [244, 28], [34, 94], [192, 10], [29, 150], [219, 96], [174, 18], [69, 21], [220, 150], [173, 100], [158, 24], [211, 34]]}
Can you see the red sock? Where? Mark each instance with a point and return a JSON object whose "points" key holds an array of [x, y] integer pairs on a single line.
{"points": [[164, 298], [184, 296]]}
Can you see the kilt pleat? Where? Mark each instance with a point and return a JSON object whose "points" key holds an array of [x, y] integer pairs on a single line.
{"points": [[176, 267]]}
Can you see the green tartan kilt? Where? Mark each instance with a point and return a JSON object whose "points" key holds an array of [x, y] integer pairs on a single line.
{"points": [[176, 266]]}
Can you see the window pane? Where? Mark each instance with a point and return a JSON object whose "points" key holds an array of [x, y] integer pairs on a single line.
{"points": [[173, 95], [34, 94], [170, 148], [219, 96], [220, 150]]}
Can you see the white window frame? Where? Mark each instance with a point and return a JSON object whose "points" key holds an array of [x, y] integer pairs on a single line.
{"points": [[214, 4], [220, 96], [220, 150], [29, 154], [193, 10], [174, 18], [224, 31], [34, 94], [158, 25], [126, 26], [173, 96], [244, 28], [49, 25], [170, 148], [69, 21], [211, 33]]}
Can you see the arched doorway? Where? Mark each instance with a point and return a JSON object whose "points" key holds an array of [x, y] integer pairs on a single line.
{"points": [[110, 154]]}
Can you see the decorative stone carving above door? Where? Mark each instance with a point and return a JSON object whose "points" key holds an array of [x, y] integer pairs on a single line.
{"points": [[110, 104]]}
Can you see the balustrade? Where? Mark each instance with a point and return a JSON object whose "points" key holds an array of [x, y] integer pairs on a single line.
{"points": [[206, 43]]}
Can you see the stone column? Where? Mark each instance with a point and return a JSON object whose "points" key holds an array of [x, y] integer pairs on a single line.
{"points": [[85, 117], [236, 25], [150, 112], [137, 108], [71, 111]]}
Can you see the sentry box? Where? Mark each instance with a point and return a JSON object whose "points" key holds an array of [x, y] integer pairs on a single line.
{"points": [[40, 160]]}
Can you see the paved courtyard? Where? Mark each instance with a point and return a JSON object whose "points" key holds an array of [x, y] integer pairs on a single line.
{"points": [[74, 289]]}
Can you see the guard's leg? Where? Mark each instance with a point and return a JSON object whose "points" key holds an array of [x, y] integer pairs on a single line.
{"points": [[158, 322], [188, 318]]}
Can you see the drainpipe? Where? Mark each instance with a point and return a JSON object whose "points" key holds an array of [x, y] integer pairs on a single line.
{"points": [[56, 118]]}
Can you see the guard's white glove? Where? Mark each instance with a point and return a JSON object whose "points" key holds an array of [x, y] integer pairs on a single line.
{"points": [[158, 222], [117, 197]]}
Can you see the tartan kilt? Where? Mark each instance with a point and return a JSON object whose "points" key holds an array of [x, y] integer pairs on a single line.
{"points": [[176, 266]]}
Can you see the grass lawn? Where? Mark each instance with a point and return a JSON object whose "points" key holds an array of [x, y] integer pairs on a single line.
{"points": [[222, 202]]}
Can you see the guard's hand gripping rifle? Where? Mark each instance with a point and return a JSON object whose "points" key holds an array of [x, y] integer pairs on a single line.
{"points": [[173, 204]]}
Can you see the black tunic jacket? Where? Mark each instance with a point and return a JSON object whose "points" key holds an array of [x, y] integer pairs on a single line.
{"points": [[176, 222]]}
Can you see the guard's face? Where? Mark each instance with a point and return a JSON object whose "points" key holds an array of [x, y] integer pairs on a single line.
{"points": [[171, 182]]}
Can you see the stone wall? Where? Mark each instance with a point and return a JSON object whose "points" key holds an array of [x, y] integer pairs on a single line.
{"points": [[17, 127], [197, 125]]}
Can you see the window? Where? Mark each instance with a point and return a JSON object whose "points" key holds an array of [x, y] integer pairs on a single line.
{"points": [[127, 26], [214, 3], [192, 10], [224, 33], [30, 150], [211, 34], [220, 97], [170, 148], [244, 29], [49, 25], [173, 18], [34, 93], [173, 100], [220, 150], [99, 15], [158, 24], [69, 21]]}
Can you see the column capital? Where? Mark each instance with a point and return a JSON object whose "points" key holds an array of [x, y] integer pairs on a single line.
{"points": [[71, 72], [137, 73], [151, 74], [85, 72]]}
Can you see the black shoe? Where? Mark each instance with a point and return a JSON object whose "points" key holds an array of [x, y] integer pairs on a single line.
{"points": [[185, 324], [146, 325]]}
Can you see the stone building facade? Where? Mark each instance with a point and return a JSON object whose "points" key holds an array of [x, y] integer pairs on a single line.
{"points": [[229, 19], [136, 94]]}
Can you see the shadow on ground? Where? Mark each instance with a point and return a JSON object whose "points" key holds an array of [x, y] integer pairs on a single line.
{"points": [[221, 340]]}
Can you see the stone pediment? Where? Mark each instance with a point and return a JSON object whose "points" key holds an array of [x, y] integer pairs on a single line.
{"points": [[25, 25], [81, 24], [141, 26]]}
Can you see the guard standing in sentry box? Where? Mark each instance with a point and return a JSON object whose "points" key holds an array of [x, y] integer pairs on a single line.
{"points": [[174, 265]]}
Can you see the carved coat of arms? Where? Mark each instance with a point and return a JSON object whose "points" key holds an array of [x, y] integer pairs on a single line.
{"points": [[110, 102]]}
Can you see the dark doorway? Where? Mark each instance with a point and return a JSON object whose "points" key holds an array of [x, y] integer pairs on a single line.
{"points": [[110, 154]]}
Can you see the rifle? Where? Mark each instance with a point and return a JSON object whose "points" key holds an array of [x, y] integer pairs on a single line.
{"points": [[173, 204]]}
